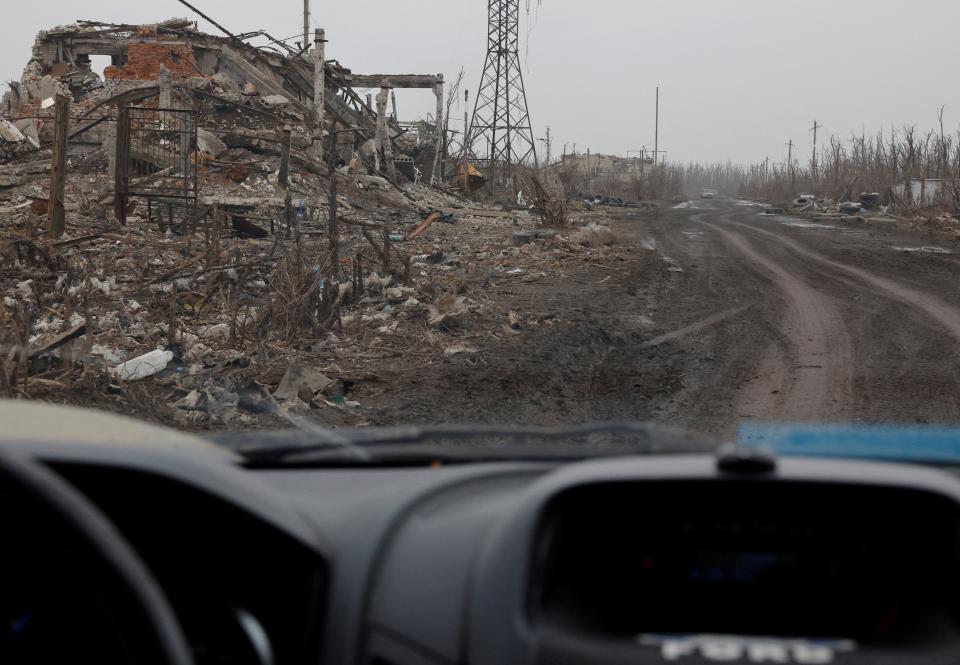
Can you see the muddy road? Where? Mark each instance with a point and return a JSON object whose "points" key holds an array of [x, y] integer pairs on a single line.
{"points": [[715, 316]]}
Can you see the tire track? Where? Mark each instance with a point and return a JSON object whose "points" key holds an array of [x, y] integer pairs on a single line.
{"points": [[812, 378], [946, 316]]}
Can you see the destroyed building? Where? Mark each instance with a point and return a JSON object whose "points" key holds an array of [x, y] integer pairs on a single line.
{"points": [[173, 63]]}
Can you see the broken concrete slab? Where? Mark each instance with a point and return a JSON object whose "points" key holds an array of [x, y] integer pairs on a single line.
{"points": [[594, 236], [28, 127], [10, 133], [275, 101], [208, 142], [300, 380]]}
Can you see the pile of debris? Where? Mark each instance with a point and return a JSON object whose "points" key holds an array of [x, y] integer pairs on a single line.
{"points": [[245, 331], [230, 257]]}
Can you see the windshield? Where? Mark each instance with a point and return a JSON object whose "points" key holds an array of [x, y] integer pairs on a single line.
{"points": [[734, 219]]}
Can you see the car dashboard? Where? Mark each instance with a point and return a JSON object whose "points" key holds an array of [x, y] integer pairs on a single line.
{"points": [[627, 560]]}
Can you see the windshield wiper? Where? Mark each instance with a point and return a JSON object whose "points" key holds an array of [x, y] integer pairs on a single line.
{"points": [[459, 444]]}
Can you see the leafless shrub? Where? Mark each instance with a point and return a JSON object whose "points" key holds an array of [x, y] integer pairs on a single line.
{"points": [[552, 203], [885, 163], [300, 299]]}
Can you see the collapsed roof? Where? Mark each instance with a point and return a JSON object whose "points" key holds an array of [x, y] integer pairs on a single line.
{"points": [[276, 78]]}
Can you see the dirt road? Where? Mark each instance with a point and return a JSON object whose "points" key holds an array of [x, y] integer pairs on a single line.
{"points": [[719, 315]]}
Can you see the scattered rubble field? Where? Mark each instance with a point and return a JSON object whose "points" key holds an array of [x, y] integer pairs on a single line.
{"points": [[218, 236]]}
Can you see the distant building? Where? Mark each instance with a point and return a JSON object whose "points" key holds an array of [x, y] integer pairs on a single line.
{"points": [[609, 166]]}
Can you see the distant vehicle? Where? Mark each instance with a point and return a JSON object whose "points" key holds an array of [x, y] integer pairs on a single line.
{"points": [[708, 194]]}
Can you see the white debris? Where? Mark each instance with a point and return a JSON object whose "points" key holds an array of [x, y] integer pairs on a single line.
{"points": [[208, 142], [198, 352], [112, 356], [104, 286], [25, 290], [188, 340], [9, 132], [51, 325], [923, 250], [459, 349], [275, 101], [594, 236], [143, 366], [220, 331], [190, 402]]}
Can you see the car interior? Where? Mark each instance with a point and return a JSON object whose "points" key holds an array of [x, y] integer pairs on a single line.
{"points": [[184, 553]]}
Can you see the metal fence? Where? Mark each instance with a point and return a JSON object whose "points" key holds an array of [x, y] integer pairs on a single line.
{"points": [[157, 162]]}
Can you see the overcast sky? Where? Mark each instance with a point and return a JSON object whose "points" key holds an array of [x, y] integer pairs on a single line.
{"points": [[738, 78]]}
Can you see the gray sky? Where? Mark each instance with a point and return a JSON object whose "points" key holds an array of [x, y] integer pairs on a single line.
{"points": [[738, 77]]}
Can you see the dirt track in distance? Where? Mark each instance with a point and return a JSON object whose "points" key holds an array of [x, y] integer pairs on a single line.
{"points": [[717, 316]]}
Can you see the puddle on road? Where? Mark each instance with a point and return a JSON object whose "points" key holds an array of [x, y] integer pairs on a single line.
{"points": [[751, 204], [798, 223], [924, 250], [694, 205], [692, 235], [650, 245]]}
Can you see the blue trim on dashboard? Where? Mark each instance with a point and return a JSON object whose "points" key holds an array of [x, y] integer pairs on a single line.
{"points": [[901, 444]]}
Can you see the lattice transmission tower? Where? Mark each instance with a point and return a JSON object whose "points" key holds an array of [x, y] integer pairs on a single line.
{"points": [[501, 133]]}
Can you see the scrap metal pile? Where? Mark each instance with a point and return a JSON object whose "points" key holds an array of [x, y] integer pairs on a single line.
{"points": [[225, 261]]}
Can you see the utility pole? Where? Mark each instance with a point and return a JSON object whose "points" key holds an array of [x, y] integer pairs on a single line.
{"points": [[816, 126], [58, 169], [306, 25], [547, 143], [656, 133], [790, 164], [319, 88], [466, 123]]}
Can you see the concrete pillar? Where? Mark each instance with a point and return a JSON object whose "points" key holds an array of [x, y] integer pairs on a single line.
{"points": [[438, 91], [166, 91], [110, 145], [384, 143]]}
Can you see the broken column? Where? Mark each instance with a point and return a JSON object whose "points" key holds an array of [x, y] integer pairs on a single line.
{"points": [[319, 89], [438, 91], [166, 92], [384, 144], [166, 87], [110, 146]]}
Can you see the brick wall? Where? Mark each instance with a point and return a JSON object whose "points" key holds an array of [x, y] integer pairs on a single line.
{"points": [[147, 51]]}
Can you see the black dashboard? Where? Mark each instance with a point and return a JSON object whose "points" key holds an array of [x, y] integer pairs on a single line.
{"points": [[659, 559]]}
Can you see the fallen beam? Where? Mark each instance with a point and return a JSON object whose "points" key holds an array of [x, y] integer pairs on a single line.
{"points": [[421, 81], [60, 340]]}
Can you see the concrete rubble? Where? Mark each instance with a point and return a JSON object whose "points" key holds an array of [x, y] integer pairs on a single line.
{"points": [[309, 272]]}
